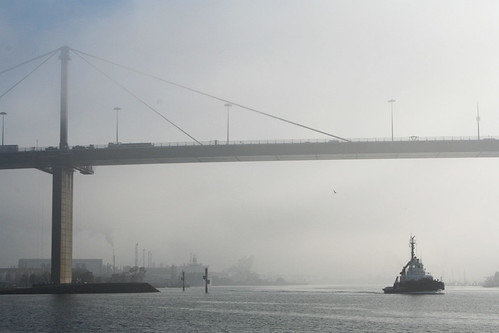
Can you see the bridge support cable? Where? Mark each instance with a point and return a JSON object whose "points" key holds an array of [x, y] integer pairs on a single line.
{"points": [[212, 96], [27, 75], [28, 61], [136, 97]]}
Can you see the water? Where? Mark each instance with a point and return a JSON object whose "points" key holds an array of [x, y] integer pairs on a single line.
{"points": [[255, 309]]}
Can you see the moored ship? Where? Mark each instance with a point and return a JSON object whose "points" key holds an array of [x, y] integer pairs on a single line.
{"points": [[414, 278]]}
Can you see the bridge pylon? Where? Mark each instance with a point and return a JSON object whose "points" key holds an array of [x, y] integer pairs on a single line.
{"points": [[62, 192]]}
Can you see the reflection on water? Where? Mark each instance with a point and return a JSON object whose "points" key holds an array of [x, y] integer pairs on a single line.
{"points": [[255, 309]]}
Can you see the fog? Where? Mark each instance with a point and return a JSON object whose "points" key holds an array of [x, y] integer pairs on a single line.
{"points": [[330, 65]]}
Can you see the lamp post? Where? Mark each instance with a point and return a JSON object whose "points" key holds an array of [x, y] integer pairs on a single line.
{"points": [[391, 101], [228, 105], [3, 127], [478, 119], [117, 109]]}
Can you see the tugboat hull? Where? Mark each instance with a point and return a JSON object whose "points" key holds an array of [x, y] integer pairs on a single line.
{"points": [[416, 287]]}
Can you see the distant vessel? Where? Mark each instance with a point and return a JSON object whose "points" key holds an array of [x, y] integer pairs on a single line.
{"points": [[492, 281], [413, 278]]}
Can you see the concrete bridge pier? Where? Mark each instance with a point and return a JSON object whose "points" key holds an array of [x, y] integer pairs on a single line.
{"points": [[62, 224]]}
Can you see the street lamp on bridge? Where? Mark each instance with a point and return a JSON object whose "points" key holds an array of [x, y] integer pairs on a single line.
{"points": [[391, 101], [228, 105], [117, 109], [478, 119], [3, 119]]}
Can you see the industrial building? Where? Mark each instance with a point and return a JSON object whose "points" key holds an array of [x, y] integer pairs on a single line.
{"points": [[92, 265]]}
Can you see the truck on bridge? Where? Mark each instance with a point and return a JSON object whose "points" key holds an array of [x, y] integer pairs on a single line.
{"points": [[9, 148]]}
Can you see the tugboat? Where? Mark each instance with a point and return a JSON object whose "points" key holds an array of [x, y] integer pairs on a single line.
{"points": [[413, 278]]}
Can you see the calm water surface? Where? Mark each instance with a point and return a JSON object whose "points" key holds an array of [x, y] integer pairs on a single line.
{"points": [[255, 309]]}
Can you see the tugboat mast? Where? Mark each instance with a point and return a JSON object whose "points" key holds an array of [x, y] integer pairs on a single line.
{"points": [[413, 245]]}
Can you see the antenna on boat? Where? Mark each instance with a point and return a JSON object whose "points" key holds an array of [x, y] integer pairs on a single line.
{"points": [[413, 244]]}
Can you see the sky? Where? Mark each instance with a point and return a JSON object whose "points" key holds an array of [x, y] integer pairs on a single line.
{"points": [[330, 65]]}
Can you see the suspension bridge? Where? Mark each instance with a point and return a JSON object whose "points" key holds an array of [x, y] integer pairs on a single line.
{"points": [[62, 161]]}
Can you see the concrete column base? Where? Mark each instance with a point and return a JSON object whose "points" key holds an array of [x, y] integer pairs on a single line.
{"points": [[62, 225]]}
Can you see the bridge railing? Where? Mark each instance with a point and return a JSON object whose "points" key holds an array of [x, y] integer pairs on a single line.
{"points": [[251, 142]]}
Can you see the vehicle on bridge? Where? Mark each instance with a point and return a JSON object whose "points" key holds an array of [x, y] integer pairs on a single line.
{"points": [[130, 145], [83, 147], [9, 148]]}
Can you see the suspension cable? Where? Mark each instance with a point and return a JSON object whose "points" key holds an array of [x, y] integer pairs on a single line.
{"points": [[26, 62], [212, 96], [138, 98], [18, 82]]}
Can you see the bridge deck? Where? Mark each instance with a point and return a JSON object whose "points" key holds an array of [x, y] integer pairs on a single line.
{"points": [[150, 154]]}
